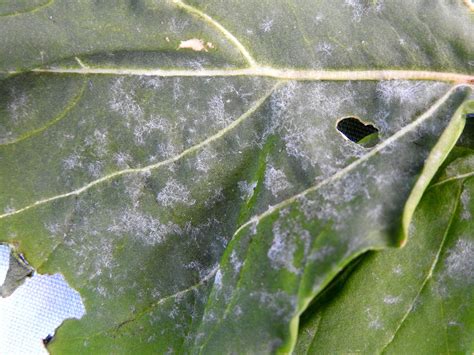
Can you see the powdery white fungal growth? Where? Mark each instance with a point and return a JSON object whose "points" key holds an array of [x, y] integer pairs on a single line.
{"points": [[465, 201], [358, 9], [95, 169], [279, 303], [283, 248], [123, 102], [218, 280], [145, 227], [122, 160], [266, 25], [362, 8], [324, 48], [166, 149], [177, 25], [18, 107], [216, 196], [391, 299], [98, 256], [144, 128], [154, 83], [134, 187], [279, 103], [73, 161], [217, 111], [276, 181], [246, 189], [397, 270], [98, 142], [405, 98], [373, 321], [322, 253], [204, 159], [174, 193], [460, 262], [305, 119], [235, 262]]}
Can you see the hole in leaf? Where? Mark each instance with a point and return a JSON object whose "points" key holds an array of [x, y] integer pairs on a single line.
{"points": [[470, 116], [357, 131]]}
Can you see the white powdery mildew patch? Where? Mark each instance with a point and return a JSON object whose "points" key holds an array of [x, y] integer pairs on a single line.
{"points": [[217, 195], [361, 8], [144, 128], [460, 166], [98, 257], [335, 205], [276, 181], [166, 150], [460, 262], [122, 160], [98, 142], [145, 227], [217, 111], [205, 159], [235, 262], [246, 189], [177, 25], [325, 48], [72, 162], [465, 201], [305, 116], [155, 83], [397, 270], [279, 104], [95, 169], [282, 250], [279, 303], [266, 25], [123, 102], [218, 280], [322, 253], [175, 193], [405, 96], [134, 187], [284, 245], [373, 321], [391, 299], [18, 107]]}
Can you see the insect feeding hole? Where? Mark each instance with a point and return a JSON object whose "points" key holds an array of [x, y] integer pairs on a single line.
{"points": [[357, 131]]}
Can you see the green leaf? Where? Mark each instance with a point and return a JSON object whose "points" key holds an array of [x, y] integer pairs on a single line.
{"points": [[414, 300], [199, 199]]}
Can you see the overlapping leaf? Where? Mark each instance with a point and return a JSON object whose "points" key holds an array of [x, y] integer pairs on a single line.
{"points": [[414, 300], [198, 206]]}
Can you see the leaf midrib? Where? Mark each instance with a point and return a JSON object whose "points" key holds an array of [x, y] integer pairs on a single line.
{"points": [[268, 72]]}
